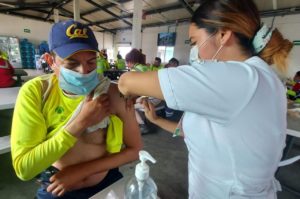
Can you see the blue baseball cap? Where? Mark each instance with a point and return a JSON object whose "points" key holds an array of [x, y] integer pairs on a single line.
{"points": [[69, 37]]}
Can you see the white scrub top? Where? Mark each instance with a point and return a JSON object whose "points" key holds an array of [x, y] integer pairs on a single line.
{"points": [[234, 126]]}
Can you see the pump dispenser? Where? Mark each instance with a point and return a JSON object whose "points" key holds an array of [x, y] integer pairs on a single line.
{"points": [[141, 186]]}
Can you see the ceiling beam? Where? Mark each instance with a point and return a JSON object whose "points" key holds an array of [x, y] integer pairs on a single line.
{"points": [[27, 16], [89, 22], [109, 12], [27, 6], [146, 12], [280, 12], [105, 6], [56, 5], [186, 6], [158, 24]]}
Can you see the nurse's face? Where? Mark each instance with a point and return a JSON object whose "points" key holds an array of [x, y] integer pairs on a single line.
{"points": [[206, 42]]}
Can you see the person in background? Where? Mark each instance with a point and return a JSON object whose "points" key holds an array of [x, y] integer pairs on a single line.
{"points": [[135, 61], [6, 72], [102, 63], [71, 129], [234, 103], [169, 113], [173, 62], [156, 65], [144, 56], [293, 88], [150, 113], [296, 79], [120, 63]]}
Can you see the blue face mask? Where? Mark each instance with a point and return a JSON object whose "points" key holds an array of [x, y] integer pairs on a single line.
{"points": [[77, 83]]}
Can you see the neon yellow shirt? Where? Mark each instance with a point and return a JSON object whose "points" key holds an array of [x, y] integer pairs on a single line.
{"points": [[140, 68], [156, 68], [37, 137], [120, 63], [102, 65]]}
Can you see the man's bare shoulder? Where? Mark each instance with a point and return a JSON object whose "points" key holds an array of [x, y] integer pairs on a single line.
{"points": [[115, 97]]}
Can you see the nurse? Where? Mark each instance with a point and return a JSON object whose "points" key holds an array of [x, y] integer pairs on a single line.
{"points": [[234, 102]]}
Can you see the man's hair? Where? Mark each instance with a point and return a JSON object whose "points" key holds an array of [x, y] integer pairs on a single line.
{"points": [[158, 59], [135, 56], [119, 56], [174, 60]]}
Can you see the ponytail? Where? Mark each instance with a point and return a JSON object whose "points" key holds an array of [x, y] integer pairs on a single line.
{"points": [[276, 52]]}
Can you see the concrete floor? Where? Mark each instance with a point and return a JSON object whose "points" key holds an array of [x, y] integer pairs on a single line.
{"points": [[169, 173]]}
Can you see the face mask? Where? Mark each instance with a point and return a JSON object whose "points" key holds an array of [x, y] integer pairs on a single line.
{"points": [[194, 53], [77, 83]]}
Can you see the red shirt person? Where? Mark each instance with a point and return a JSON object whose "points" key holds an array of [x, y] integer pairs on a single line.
{"points": [[6, 74]]}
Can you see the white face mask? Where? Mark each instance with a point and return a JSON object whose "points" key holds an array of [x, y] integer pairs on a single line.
{"points": [[194, 53]]}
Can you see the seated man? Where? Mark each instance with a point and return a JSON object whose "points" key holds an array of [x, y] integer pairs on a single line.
{"points": [[120, 63], [169, 113], [156, 65], [6, 72], [51, 131]]}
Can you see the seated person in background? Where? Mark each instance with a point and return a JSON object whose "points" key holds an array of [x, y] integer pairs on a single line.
{"points": [[135, 61], [151, 115], [46, 68], [293, 88], [296, 86], [6, 72], [102, 63], [169, 113], [144, 56], [173, 62], [53, 133], [156, 65], [120, 63]]}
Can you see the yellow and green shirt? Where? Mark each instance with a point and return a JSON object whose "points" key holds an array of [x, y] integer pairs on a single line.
{"points": [[140, 68], [120, 63], [156, 68], [38, 138]]}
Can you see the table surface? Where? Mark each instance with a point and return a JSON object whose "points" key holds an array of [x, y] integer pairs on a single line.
{"points": [[20, 72], [117, 188], [8, 97]]}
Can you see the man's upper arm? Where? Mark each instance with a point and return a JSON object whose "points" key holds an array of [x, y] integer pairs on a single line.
{"points": [[131, 134]]}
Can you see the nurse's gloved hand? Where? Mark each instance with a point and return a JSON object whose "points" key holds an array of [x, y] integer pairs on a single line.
{"points": [[149, 109]]}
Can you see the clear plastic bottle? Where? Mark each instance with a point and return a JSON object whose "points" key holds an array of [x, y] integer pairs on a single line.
{"points": [[141, 186]]}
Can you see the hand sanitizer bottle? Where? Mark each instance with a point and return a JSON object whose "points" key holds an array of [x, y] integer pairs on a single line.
{"points": [[141, 186]]}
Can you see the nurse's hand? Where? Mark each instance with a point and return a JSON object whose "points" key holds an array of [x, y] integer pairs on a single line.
{"points": [[149, 108]]}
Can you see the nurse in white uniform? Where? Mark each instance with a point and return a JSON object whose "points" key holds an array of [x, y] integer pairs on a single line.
{"points": [[235, 105]]}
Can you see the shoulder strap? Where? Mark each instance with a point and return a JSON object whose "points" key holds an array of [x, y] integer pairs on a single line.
{"points": [[46, 86]]}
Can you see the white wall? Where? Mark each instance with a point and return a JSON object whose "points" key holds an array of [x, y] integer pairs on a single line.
{"points": [[105, 40], [149, 41], [14, 26]]}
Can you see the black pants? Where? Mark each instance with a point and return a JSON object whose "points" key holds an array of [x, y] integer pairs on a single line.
{"points": [[112, 176]]}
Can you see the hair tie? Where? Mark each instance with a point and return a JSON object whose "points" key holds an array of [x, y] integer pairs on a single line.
{"points": [[261, 38]]}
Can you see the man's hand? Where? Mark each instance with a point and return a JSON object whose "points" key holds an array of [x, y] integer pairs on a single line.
{"points": [[92, 112], [65, 180]]}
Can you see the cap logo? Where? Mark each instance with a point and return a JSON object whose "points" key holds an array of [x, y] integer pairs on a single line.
{"points": [[73, 32]]}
